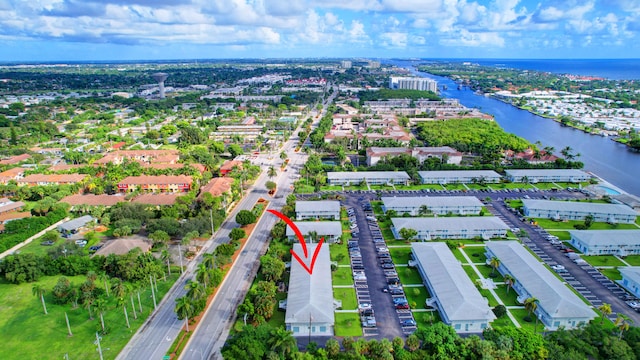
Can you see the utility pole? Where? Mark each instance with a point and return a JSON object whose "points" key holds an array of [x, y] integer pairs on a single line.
{"points": [[68, 326], [153, 293], [98, 343], [211, 217], [180, 255]]}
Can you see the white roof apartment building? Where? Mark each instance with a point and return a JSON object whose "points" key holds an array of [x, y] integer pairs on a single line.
{"points": [[458, 301], [371, 177], [606, 242], [453, 156], [547, 175], [630, 279], [573, 210], [485, 227], [325, 209], [459, 176], [441, 205], [557, 304], [330, 230], [310, 296]]}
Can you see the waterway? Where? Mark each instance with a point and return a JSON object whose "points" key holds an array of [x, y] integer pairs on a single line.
{"points": [[608, 159]]}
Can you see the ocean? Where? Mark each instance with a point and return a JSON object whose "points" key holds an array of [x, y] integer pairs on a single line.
{"points": [[613, 69]]}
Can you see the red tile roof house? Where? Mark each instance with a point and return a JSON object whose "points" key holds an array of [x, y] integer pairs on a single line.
{"points": [[228, 165], [56, 179], [15, 159], [143, 156], [93, 200], [11, 174], [157, 199], [218, 187], [161, 183]]}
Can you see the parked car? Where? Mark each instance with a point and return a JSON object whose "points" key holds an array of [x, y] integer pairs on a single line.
{"points": [[402, 306], [408, 322], [387, 266], [95, 247], [81, 243], [47, 243]]}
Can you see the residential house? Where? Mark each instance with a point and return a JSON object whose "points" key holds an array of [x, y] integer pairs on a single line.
{"points": [[451, 155], [12, 160], [469, 227], [441, 205], [459, 177], [228, 166], [457, 299], [73, 226], [218, 187], [327, 209], [331, 231], [370, 177], [161, 183], [16, 173], [558, 306], [606, 242], [54, 179], [310, 297], [630, 279], [547, 175], [573, 210]]}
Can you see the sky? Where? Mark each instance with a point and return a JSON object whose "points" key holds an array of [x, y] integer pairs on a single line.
{"points": [[83, 30]]}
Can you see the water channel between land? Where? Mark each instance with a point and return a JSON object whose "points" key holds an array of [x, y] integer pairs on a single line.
{"points": [[608, 159]]}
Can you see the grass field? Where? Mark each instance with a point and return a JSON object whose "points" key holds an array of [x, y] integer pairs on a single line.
{"points": [[508, 299], [347, 324], [520, 314], [568, 225], [475, 253], [562, 235], [28, 333], [348, 297], [339, 253], [400, 255], [426, 319], [502, 322], [409, 276], [457, 252], [603, 260], [342, 276], [633, 260], [612, 274], [418, 295]]}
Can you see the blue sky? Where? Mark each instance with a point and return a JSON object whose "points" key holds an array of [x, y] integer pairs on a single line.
{"points": [[49, 30]]}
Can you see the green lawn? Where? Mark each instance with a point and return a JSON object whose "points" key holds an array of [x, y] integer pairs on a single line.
{"points": [[633, 260], [612, 274], [418, 295], [347, 324], [472, 274], [545, 186], [400, 255], [300, 188], [603, 260], [420, 187], [28, 333], [486, 270], [426, 319], [339, 253], [455, 187], [520, 314], [388, 235], [342, 276], [516, 204], [348, 297], [477, 186], [277, 319], [508, 299], [502, 322], [457, 252], [475, 253], [568, 225], [511, 186], [487, 294], [409, 276]]}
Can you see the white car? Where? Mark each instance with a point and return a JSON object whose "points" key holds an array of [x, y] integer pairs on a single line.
{"points": [[81, 243], [558, 268]]}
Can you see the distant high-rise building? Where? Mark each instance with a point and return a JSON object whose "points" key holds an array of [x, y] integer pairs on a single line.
{"points": [[160, 78], [413, 83], [374, 64], [346, 64]]}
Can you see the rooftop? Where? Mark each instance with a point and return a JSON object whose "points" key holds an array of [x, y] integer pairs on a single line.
{"points": [[367, 174], [320, 227], [471, 223], [434, 201], [584, 207], [458, 173], [313, 206], [607, 237], [547, 172]]}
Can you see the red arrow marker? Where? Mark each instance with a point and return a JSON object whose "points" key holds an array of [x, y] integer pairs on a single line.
{"points": [[302, 243]]}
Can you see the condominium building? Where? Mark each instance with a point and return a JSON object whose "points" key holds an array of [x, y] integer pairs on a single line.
{"points": [[485, 227], [441, 205], [572, 210], [327, 209], [606, 242], [413, 83]]}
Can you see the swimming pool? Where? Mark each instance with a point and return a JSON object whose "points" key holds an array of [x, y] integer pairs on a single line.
{"points": [[608, 190]]}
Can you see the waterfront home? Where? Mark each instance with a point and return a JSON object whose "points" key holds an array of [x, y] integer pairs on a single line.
{"points": [[573, 210], [547, 175]]}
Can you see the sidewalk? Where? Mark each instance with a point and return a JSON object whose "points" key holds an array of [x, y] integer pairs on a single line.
{"points": [[29, 240]]}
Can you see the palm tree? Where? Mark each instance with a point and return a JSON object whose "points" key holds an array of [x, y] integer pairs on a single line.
{"points": [[509, 280], [87, 301], [39, 291], [203, 275], [105, 278], [166, 257], [531, 304], [605, 309], [184, 308], [195, 290], [272, 172], [122, 302], [281, 340], [494, 263], [130, 290], [313, 236], [101, 306], [209, 259], [623, 322], [118, 287]]}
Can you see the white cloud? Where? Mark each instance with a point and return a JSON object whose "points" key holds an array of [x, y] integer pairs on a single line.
{"points": [[474, 39], [394, 39]]}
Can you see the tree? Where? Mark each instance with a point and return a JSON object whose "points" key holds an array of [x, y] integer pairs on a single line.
{"points": [[413, 343], [509, 280], [166, 257], [39, 291], [235, 150], [408, 234], [184, 309], [271, 186], [272, 268], [531, 305], [160, 238], [282, 341], [494, 263], [237, 234], [623, 322], [101, 307], [209, 259], [283, 155], [62, 291], [272, 172], [245, 217], [500, 311], [203, 275], [195, 290], [332, 347], [588, 220], [605, 309]]}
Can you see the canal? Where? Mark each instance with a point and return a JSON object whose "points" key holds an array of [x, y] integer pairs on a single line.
{"points": [[608, 159]]}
